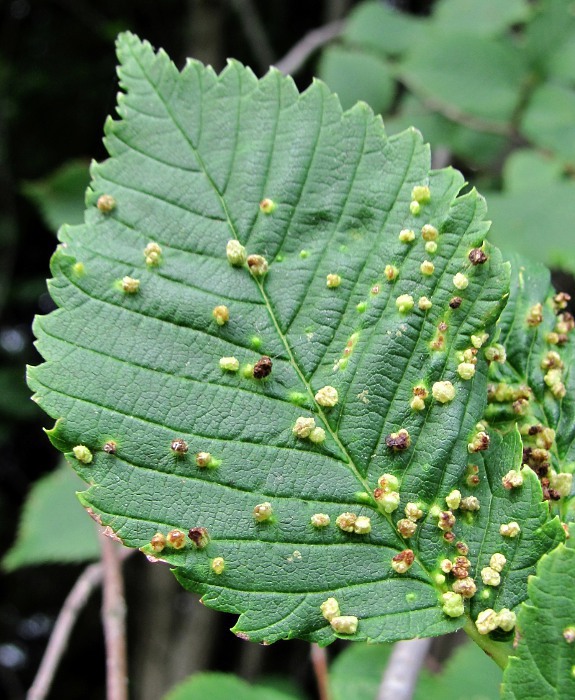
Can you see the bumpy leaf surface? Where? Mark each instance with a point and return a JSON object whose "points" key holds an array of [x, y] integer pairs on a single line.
{"points": [[544, 666], [539, 338], [192, 157]]}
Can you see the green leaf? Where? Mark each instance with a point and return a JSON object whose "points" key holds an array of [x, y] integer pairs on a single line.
{"points": [[478, 148], [468, 675], [535, 199], [549, 121], [60, 195], [53, 528], [192, 157], [544, 662], [378, 27], [548, 31], [223, 686], [355, 75], [527, 347], [487, 18], [466, 77]]}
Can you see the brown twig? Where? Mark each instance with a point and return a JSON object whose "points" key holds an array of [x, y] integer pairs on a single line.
{"points": [[319, 662], [400, 677], [296, 57], [114, 621]]}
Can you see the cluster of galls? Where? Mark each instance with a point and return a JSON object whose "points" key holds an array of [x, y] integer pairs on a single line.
{"points": [[176, 539], [517, 396], [537, 443]]}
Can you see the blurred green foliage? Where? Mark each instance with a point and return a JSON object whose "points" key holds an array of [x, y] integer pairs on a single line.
{"points": [[491, 86]]}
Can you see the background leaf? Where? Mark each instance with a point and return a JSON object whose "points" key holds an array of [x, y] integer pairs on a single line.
{"points": [[544, 661], [53, 527], [223, 686], [468, 675]]}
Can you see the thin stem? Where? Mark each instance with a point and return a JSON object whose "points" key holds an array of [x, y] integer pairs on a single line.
{"points": [[319, 662], [114, 621], [89, 580], [400, 677], [255, 32], [296, 57], [498, 651]]}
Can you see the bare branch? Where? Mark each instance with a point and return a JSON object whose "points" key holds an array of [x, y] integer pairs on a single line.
{"points": [[114, 621], [319, 663], [296, 57], [400, 676]]}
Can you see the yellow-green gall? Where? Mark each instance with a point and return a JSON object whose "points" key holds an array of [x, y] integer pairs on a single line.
{"points": [[152, 254], [361, 307], [478, 340], [452, 604], [417, 403], [490, 577], [453, 499], [204, 459], [460, 281], [79, 269], [106, 203], [82, 454], [535, 315], [362, 525], [431, 247], [258, 265], [327, 396], [344, 624], [406, 235], [130, 285], [496, 353], [562, 483], [391, 272], [427, 267], [429, 232], [443, 391], [487, 621], [466, 370], [511, 529], [248, 371], [176, 539], [317, 435], [158, 542], [262, 512], [267, 206], [424, 303], [552, 360], [513, 479], [330, 609], [415, 207], [320, 520], [413, 511], [479, 443], [221, 314], [389, 501], [404, 303], [303, 427], [218, 565], [346, 521], [465, 587], [388, 482], [506, 619], [446, 565], [406, 527], [497, 562], [469, 504], [229, 364], [439, 579], [333, 281], [236, 253], [421, 194]]}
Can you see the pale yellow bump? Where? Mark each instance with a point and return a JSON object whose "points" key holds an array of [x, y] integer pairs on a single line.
{"points": [[333, 281], [466, 370], [130, 285], [330, 609], [320, 520], [415, 207], [431, 247], [404, 303], [391, 272], [429, 232], [424, 303], [444, 391], [218, 565], [460, 281], [229, 364], [344, 624], [427, 267], [406, 235], [327, 396]]}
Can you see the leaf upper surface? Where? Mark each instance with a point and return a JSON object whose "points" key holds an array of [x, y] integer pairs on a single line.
{"points": [[192, 156]]}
